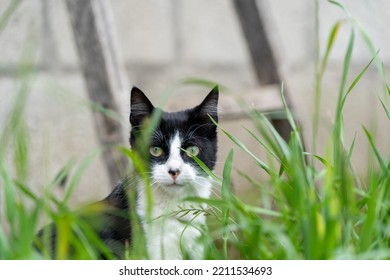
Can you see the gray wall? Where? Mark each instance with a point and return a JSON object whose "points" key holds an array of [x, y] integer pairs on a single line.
{"points": [[162, 42]]}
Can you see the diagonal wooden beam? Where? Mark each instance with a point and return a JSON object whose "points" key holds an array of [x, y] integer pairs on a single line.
{"points": [[102, 72], [262, 56], [252, 25]]}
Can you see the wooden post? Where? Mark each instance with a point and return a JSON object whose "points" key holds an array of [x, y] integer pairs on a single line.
{"points": [[260, 49], [256, 37], [92, 27]]}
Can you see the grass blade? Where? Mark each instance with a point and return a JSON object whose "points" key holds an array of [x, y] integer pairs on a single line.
{"points": [[226, 196], [331, 40], [341, 6], [8, 12], [382, 164], [86, 162], [9, 196], [289, 115], [356, 80], [385, 108], [262, 164], [206, 169], [346, 67]]}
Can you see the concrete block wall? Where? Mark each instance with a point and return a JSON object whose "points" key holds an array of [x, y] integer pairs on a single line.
{"points": [[163, 42]]}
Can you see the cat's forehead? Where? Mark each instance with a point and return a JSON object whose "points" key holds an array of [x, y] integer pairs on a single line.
{"points": [[176, 116], [175, 121]]}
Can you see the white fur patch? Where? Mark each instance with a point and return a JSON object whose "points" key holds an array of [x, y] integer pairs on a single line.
{"points": [[166, 235]]}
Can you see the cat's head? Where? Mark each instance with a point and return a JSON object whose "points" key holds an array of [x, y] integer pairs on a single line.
{"points": [[175, 138]]}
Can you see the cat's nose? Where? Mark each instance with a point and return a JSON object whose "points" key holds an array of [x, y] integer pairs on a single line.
{"points": [[174, 173]]}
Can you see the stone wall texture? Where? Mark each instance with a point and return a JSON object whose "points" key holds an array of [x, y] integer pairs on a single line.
{"points": [[164, 42]]}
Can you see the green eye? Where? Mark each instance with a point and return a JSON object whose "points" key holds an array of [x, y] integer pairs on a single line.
{"points": [[192, 151], [156, 151]]}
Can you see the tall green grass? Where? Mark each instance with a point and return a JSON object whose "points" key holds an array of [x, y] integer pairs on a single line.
{"points": [[312, 212], [314, 206]]}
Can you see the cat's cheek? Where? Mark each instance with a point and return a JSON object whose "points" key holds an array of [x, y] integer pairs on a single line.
{"points": [[187, 176], [161, 176]]}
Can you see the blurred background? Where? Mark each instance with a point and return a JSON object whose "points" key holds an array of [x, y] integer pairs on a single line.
{"points": [[95, 51]]}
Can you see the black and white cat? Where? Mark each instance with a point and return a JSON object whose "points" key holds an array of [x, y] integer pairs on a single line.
{"points": [[173, 176]]}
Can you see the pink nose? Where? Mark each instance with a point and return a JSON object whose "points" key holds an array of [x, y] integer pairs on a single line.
{"points": [[174, 173]]}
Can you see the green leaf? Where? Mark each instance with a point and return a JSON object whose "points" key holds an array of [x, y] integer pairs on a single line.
{"points": [[26, 191], [346, 67], [226, 196], [206, 169], [367, 40], [284, 150], [351, 149], [289, 115], [329, 46], [268, 149], [74, 181], [202, 82], [9, 195], [227, 170], [356, 80], [385, 108], [376, 152], [8, 12], [263, 165], [340, 6]]}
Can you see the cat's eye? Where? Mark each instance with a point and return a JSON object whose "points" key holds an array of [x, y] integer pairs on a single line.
{"points": [[192, 151], [156, 151]]}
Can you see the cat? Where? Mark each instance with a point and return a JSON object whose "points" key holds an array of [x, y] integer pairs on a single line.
{"points": [[173, 174]]}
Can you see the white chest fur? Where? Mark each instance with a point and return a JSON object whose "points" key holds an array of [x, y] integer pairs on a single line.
{"points": [[168, 236]]}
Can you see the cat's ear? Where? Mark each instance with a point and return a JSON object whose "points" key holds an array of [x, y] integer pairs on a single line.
{"points": [[140, 107], [209, 107]]}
